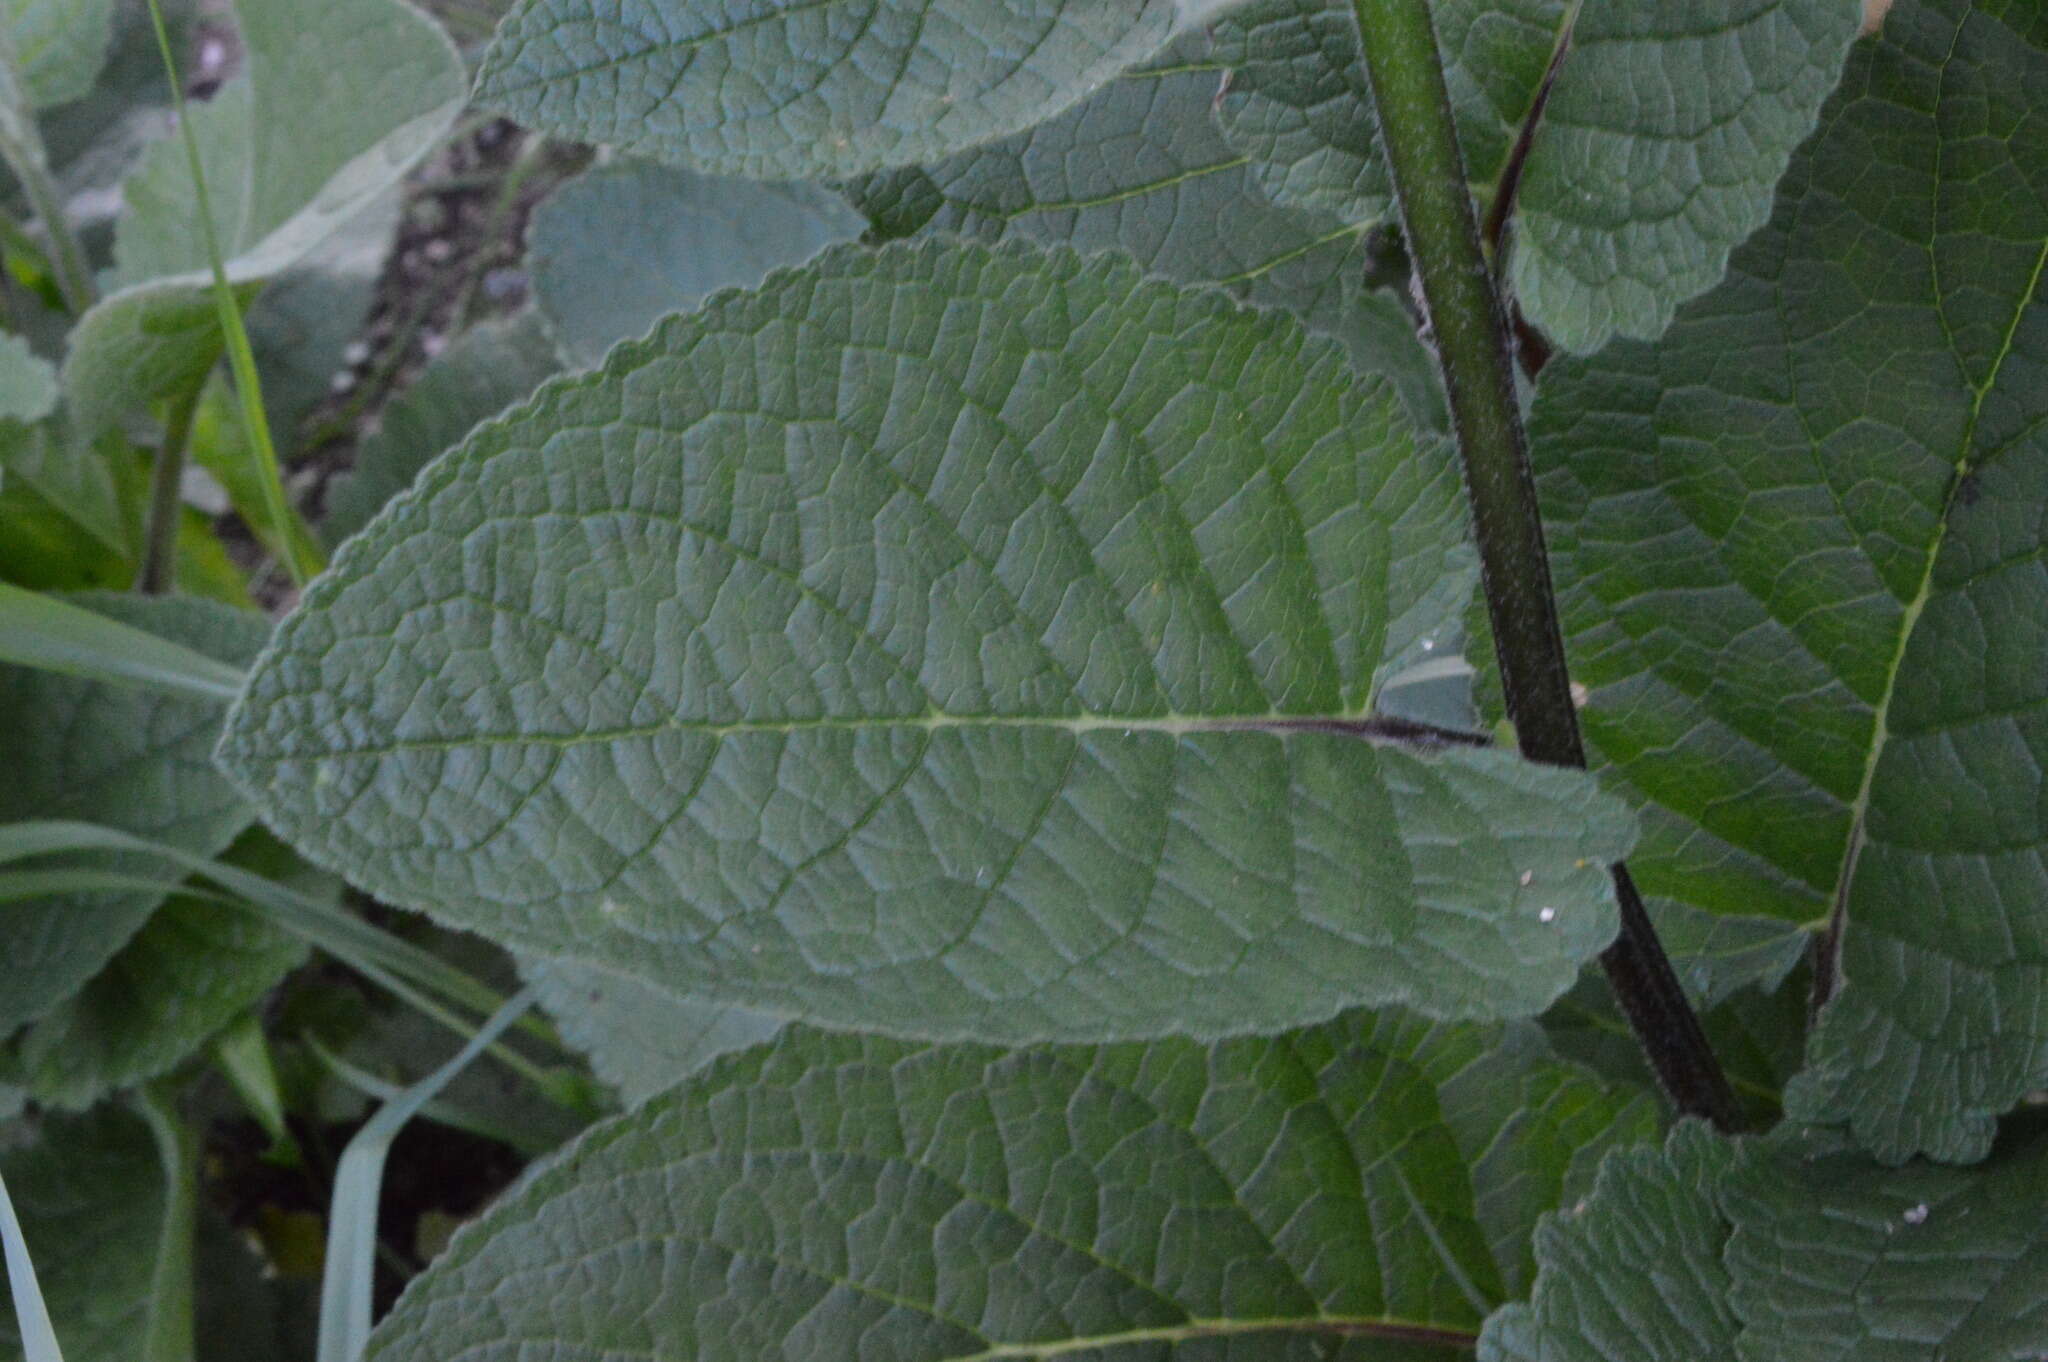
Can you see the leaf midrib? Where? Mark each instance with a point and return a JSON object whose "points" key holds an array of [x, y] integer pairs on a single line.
{"points": [[1342, 1326], [1909, 618]]}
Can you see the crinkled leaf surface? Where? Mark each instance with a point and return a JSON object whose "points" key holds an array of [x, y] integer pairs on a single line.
{"points": [[194, 966], [941, 640], [486, 370], [340, 97], [1297, 102], [624, 245], [1141, 168], [1664, 137], [1657, 152], [90, 1194], [1794, 1246], [59, 46], [641, 1038], [827, 1197], [125, 757], [809, 89], [1800, 556]]}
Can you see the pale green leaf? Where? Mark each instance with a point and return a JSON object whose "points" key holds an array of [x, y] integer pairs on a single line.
{"points": [[131, 758], [339, 99], [1655, 155], [959, 642], [486, 370], [28, 383], [1320, 1194], [1800, 558], [808, 89], [1140, 168], [641, 1038], [630, 242], [194, 966], [59, 45], [1667, 130], [90, 1194]]}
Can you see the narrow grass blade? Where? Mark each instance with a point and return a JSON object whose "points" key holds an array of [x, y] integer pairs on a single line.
{"points": [[241, 358], [41, 631], [38, 1339], [168, 1331], [345, 1286]]}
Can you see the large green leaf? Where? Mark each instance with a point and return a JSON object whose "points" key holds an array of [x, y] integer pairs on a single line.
{"points": [[827, 1197], [1799, 552], [1140, 168], [953, 641], [1792, 1247], [59, 46], [194, 966], [127, 757], [90, 1194], [809, 89], [486, 370], [340, 97], [633, 241], [1655, 155]]}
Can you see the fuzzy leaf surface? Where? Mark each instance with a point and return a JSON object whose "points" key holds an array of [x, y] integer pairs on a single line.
{"points": [[28, 384], [1791, 1246], [58, 45], [808, 89], [941, 640], [825, 1197], [1655, 155], [339, 99], [626, 244], [1800, 558], [122, 756], [1140, 167]]}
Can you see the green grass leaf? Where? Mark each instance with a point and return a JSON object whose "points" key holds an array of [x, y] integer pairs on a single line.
{"points": [[131, 758], [839, 1196], [339, 99], [941, 640], [628, 243], [830, 87], [1800, 557]]}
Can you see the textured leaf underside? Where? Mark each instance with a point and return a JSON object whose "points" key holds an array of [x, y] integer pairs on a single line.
{"points": [[1800, 552], [939, 640], [807, 89], [1791, 1246], [830, 1197]]}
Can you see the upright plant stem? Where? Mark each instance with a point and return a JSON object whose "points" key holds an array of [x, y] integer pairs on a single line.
{"points": [[1473, 352], [167, 1333], [166, 505]]}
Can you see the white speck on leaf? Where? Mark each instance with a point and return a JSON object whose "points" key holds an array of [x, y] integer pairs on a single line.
{"points": [[1546, 914], [1528, 878], [1915, 1215]]}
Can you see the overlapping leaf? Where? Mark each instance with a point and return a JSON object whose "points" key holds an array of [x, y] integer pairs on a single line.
{"points": [[340, 97], [1788, 1247], [629, 243], [125, 757], [1800, 556], [1656, 153], [838, 1196], [809, 89], [28, 384], [1140, 168], [948, 641], [58, 46]]}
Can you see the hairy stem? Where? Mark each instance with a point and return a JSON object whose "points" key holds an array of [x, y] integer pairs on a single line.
{"points": [[1476, 360], [166, 506]]}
